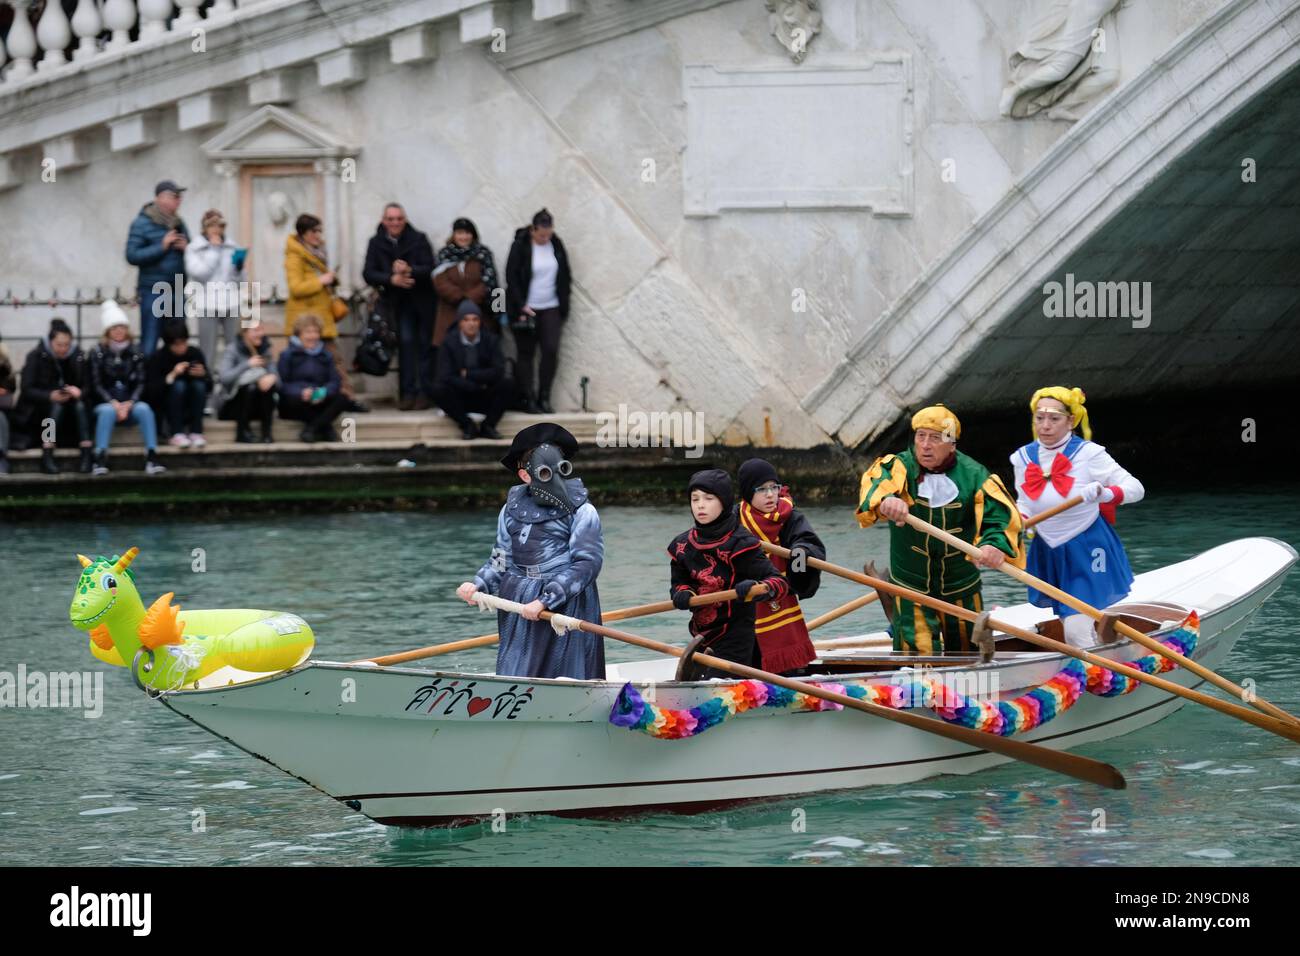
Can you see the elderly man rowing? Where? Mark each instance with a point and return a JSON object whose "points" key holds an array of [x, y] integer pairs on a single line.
{"points": [[938, 484]]}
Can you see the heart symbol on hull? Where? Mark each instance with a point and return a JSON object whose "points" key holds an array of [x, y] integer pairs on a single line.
{"points": [[477, 705]]}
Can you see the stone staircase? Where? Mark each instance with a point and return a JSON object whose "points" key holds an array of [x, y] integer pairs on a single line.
{"points": [[383, 435]]}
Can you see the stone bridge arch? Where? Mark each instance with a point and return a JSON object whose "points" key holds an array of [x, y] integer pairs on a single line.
{"points": [[1149, 187]]}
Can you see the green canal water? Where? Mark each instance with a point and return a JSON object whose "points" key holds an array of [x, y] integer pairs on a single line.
{"points": [[121, 789]]}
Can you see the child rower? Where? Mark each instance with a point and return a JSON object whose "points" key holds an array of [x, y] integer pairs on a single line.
{"points": [[719, 555], [1076, 550], [767, 511]]}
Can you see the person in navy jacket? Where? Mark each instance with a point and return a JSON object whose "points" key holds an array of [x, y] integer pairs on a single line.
{"points": [[310, 386]]}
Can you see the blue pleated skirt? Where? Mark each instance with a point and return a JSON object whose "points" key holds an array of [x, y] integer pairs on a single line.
{"points": [[1092, 566], [533, 649]]}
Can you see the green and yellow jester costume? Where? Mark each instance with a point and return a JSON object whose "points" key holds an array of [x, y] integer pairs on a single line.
{"points": [[982, 512]]}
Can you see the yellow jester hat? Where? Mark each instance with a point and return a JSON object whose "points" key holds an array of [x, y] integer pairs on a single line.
{"points": [[939, 418]]}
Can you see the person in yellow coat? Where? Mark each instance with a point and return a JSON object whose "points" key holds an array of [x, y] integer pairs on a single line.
{"points": [[311, 280], [312, 285], [938, 484]]}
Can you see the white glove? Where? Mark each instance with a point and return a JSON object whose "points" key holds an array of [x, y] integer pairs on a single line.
{"points": [[1107, 496], [1091, 492]]}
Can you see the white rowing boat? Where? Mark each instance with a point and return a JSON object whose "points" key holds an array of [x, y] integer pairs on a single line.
{"points": [[411, 746]]}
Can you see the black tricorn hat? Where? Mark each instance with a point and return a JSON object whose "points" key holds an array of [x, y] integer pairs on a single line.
{"points": [[543, 433]]}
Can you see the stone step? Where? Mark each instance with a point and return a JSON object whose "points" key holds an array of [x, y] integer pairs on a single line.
{"points": [[386, 425], [423, 437], [248, 467]]}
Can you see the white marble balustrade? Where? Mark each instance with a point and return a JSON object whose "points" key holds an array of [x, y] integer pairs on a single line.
{"points": [[42, 34]]}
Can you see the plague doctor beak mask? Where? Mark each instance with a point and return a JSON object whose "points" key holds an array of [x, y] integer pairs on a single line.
{"points": [[548, 468]]}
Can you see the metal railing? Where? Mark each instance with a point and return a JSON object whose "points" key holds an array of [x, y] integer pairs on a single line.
{"points": [[81, 301]]}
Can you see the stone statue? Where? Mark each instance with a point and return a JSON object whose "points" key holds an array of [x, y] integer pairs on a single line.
{"points": [[794, 23], [1068, 59], [278, 209]]}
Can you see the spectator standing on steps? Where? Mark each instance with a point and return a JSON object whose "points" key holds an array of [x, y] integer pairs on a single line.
{"points": [[537, 301], [218, 263], [399, 263], [156, 244]]}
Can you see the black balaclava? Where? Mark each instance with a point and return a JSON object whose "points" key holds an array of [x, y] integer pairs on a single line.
{"points": [[548, 468], [754, 472], [717, 483]]}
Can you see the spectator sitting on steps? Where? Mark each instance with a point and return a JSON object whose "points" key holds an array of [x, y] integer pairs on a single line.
{"points": [[310, 389], [471, 375], [54, 374], [248, 383], [177, 382], [8, 385], [116, 387]]}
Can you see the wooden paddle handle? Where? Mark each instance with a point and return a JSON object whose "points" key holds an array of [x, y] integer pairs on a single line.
{"points": [[1265, 722], [433, 651], [622, 614], [1053, 511], [843, 609], [1132, 633], [699, 600]]}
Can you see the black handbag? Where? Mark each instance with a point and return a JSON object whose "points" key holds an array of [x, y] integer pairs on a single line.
{"points": [[374, 353]]}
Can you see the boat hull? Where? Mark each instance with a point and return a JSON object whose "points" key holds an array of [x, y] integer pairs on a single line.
{"points": [[414, 747]]}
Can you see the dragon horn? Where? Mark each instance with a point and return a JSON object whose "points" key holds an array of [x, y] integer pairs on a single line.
{"points": [[85, 561], [125, 560]]}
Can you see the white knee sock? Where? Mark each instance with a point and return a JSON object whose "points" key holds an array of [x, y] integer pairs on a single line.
{"points": [[1079, 630]]}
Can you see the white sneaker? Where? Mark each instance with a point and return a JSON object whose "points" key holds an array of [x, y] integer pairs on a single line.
{"points": [[179, 440], [153, 468], [197, 440]]}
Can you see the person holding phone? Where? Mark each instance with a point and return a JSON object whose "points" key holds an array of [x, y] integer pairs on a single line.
{"points": [[156, 245], [538, 283], [248, 382], [314, 290], [51, 383], [310, 389], [177, 383], [218, 263]]}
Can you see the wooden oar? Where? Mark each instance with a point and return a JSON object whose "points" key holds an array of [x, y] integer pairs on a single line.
{"points": [[1131, 633], [1263, 721], [880, 641], [866, 599], [843, 609], [1053, 511], [622, 614], [433, 650], [1082, 768]]}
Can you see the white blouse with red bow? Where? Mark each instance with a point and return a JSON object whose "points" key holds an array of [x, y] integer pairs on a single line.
{"points": [[1061, 473]]}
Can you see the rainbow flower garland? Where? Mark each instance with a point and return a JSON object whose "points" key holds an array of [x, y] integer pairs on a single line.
{"points": [[1004, 718]]}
